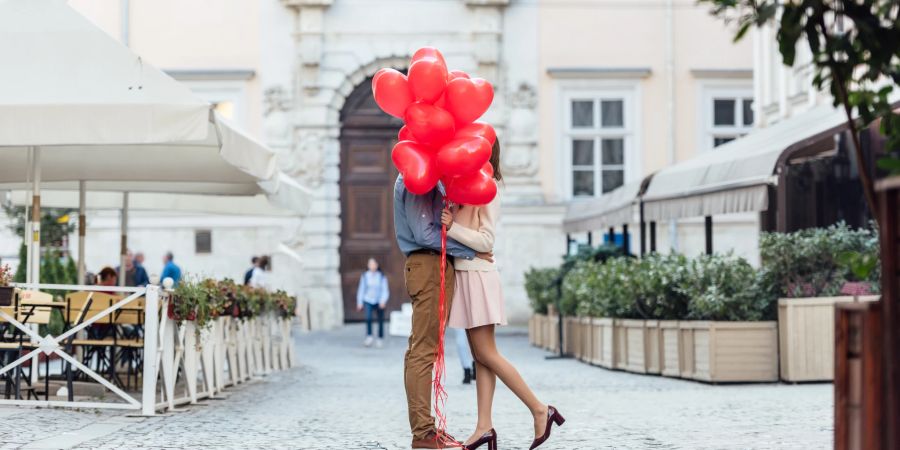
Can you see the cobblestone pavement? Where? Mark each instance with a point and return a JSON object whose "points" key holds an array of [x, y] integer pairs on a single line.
{"points": [[344, 396]]}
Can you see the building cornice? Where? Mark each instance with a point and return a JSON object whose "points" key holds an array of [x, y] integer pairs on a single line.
{"points": [[211, 74], [494, 3], [297, 4], [599, 72], [733, 74]]}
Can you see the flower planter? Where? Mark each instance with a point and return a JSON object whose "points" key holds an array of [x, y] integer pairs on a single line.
{"points": [[806, 337], [669, 348], [729, 351], [586, 332], [532, 334], [192, 316], [620, 345], [602, 347], [6, 295]]}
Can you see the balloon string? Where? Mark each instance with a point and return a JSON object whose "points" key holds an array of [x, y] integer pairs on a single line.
{"points": [[440, 394]]}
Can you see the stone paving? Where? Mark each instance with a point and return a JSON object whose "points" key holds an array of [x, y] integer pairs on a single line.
{"points": [[344, 396]]}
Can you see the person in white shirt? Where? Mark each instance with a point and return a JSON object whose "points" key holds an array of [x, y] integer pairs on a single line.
{"points": [[260, 276], [373, 294]]}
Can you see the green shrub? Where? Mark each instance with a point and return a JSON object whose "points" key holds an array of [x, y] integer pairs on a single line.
{"points": [[723, 287], [817, 261], [659, 287], [540, 285]]}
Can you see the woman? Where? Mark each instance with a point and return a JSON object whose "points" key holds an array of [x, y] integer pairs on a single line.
{"points": [[478, 307], [373, 293]]}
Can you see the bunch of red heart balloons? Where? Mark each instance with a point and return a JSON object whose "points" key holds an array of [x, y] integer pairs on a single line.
{"points": [[441, 139]]}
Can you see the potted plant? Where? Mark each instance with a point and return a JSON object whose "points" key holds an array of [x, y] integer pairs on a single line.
{"points": [[6, 291], [809, 272]]}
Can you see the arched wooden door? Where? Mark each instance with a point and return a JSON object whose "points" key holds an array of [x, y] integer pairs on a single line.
{"points": [[367, 181]]}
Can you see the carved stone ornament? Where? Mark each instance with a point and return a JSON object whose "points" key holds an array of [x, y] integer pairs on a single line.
{"points": [[306, 161]]}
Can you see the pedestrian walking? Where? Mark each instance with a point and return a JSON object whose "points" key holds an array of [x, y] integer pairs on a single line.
{"points": [[465, 355], [373, 295], [477, 307]]}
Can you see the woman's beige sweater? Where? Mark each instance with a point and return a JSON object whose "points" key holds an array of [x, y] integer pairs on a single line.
{"points": [[473, 226]]}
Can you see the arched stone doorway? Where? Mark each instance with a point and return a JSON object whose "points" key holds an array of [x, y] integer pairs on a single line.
{"points": [[366, 189]]}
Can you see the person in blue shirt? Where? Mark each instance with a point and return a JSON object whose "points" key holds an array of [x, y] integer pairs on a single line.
{"points": [[373, 293], [171, 270], [140, 273]]}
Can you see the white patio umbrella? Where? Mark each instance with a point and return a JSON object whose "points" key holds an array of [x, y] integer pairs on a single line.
{"points": [[76, 106]]}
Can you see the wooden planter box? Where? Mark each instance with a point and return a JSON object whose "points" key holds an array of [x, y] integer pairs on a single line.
{"points": [[536, 330], [570, 335], [653, 352], [620, 345], [729, 351], [806, 337], [603, 346], [551, 333], [586, 332], [669, 348], [634, 345]]}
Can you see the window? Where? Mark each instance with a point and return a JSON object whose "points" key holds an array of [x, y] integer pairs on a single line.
{"points": [[597, 139], [203, 242], [728, 115]]}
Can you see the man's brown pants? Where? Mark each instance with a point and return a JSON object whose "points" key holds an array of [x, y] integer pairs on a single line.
{"points": [[423, 285]]}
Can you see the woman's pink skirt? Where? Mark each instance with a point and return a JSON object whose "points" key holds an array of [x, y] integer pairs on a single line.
{"points": [[477, 300]]}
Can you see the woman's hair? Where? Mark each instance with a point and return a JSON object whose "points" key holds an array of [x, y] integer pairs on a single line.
{"points": [[495, 160], [264, 262], [377, 264]]}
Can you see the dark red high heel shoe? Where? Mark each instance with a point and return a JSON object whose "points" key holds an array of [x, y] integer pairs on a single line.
{"points": [[553, 416], [489, 438]]}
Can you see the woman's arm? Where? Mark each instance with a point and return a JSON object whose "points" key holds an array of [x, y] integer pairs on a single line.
{"points": [[384, 290], [361, 291], [482, 239]]}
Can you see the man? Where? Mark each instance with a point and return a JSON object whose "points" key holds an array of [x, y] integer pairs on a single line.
{"points": [[254, 263], [417, 225], [140, 273], [134, 274], [170, 270]]}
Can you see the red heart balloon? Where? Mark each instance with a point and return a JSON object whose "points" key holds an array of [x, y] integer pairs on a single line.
{"points": [[405, 134], [454, 74], [488, 169], [391, 91], [430, 125], [428, 52], [477, 188], [478, 129], [417, 165], [463, 155], [427, 79], [468, 99]]}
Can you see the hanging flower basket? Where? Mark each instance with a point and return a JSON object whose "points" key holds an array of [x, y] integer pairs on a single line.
{"points": [[173, 314]]}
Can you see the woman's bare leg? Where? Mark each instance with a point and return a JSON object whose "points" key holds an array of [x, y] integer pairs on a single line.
{"points": [[485, 385], [484, 349]]}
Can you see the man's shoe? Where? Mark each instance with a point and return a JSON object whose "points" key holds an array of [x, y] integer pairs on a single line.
{"points": [[473, 371], [379, 343], [435, 440], [467, 376], [368, 341]]}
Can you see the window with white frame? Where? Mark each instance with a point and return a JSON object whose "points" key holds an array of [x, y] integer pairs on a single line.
{"points": [[728, 114], [598, 137]]}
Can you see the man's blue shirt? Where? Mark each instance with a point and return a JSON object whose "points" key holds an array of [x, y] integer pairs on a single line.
{"points": [[417, 222]]}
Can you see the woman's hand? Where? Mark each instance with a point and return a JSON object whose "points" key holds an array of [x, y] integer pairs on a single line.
{"points": [[447, 218], [382, 305], [359, 307]]}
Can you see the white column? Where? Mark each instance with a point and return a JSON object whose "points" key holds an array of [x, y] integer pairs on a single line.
{"points": [[151, 338], [124, 244], [34, 262], [82, 231]]}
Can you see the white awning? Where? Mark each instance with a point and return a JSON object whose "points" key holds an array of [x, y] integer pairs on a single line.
{"points": [[612, 209], [735, 177]]}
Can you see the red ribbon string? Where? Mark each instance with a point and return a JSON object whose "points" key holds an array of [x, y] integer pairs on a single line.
{"points": [[440, 394]]}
